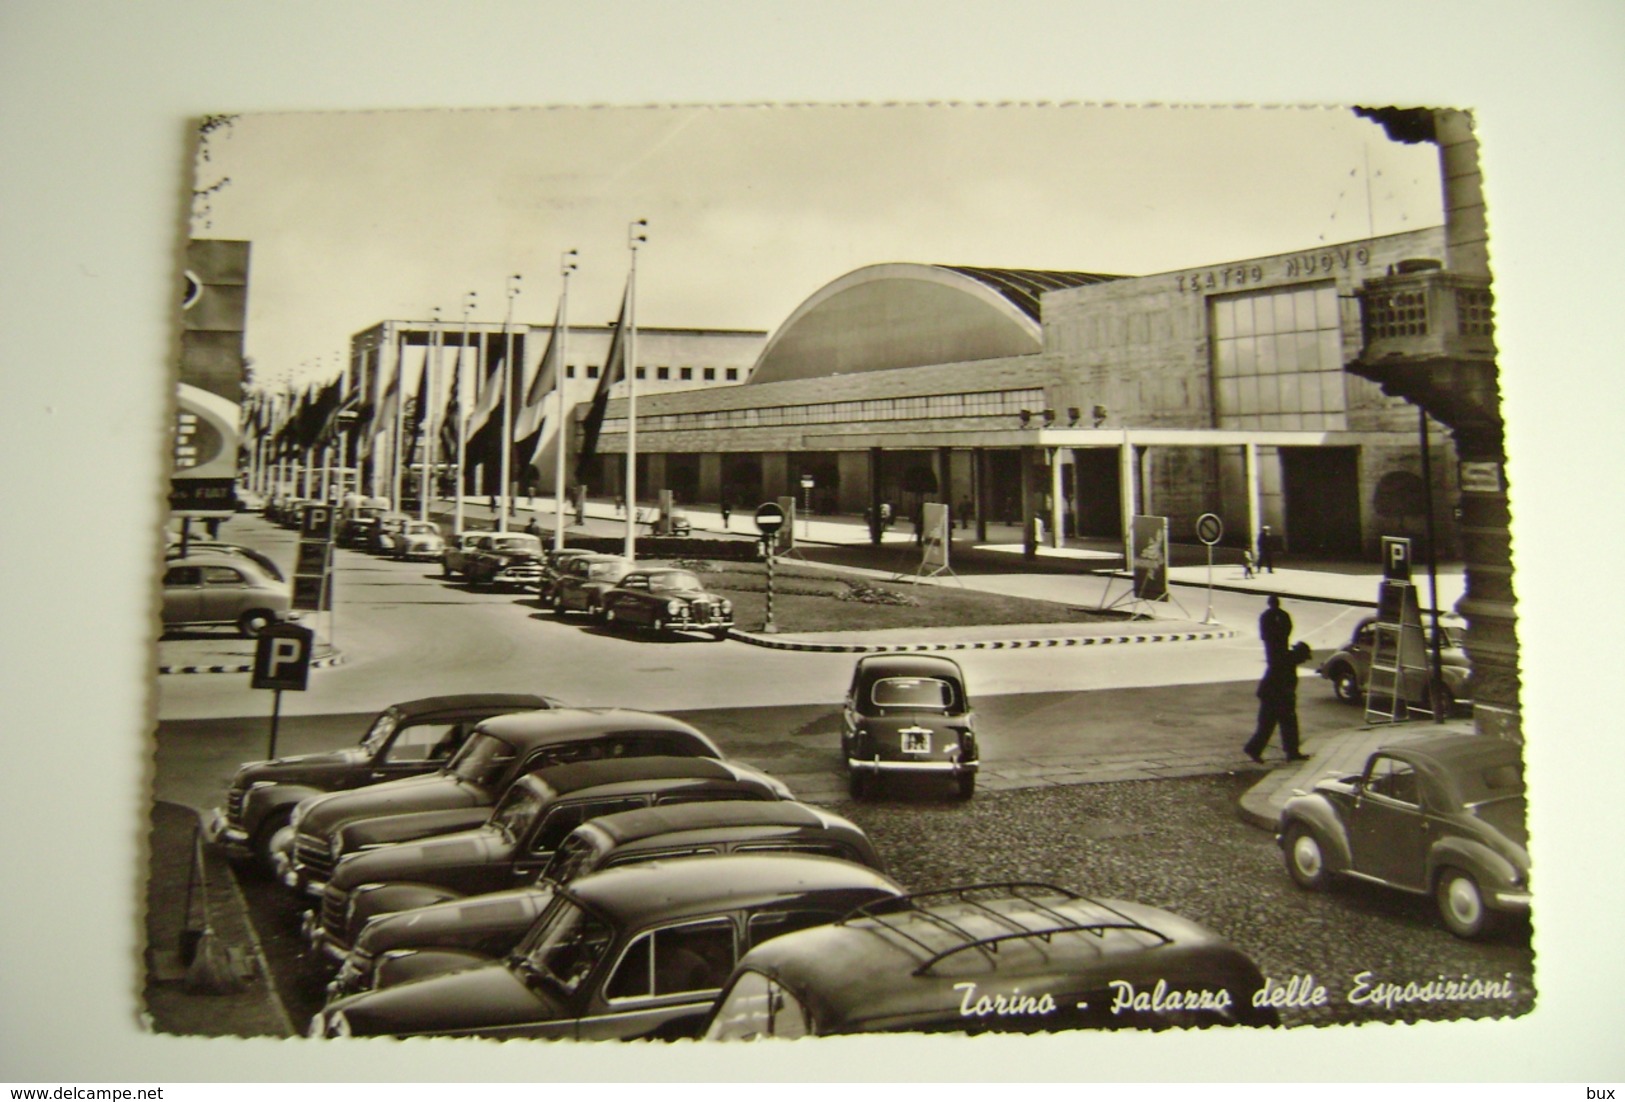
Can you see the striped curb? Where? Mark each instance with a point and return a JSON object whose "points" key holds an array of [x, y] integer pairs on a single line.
{"points": [[315, 664], [999, 644]]}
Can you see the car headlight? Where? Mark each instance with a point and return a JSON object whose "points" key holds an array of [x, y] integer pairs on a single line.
{"points": [[674, 607], [726, 606]]}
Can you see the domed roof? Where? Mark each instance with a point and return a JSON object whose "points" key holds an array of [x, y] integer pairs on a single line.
{"points": [[909, 315]]}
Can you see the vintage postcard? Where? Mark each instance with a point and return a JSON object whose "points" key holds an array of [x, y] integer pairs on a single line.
{"points": [[732, 572]]}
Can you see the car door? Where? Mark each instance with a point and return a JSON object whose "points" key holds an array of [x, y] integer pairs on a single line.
{"points": [[555, 826], [225, 594], [664, 981], [183, 594], [1389, 829], [419, 748], [634, 600]]}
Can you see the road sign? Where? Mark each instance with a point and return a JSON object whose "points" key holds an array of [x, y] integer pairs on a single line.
{"points": [[282, 657], [1396, 558], [1209, 528], [769, 518]]}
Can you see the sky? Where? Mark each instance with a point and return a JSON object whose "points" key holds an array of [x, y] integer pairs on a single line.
{"points": [[359, 217]]}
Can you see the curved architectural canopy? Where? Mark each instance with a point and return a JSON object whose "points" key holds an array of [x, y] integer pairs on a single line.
{"points": [[910, 315]]}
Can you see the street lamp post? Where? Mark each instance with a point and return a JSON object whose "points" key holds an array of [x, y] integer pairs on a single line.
{"points": [[507, 404]]}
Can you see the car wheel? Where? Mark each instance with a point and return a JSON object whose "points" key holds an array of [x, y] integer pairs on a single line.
{"points": [[1346, 685], [720, 635], [967, 785], [1306, 858], [557, 603], [608, 618], [1461, 903], [860, 785], [254, 621]]}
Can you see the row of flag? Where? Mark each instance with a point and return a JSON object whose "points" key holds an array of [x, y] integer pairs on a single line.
{"points": [[296, 422]]}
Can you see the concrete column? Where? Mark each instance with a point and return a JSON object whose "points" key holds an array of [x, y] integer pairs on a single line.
{"points": [[1126, 478], [1024, 461], [979, 484], [1057, 508], [876, 529], [1250, 474]]}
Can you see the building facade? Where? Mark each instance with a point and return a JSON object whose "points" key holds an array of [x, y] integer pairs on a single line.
{"points": [[1072, 399]]}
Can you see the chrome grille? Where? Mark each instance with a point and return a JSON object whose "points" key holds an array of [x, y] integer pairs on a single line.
{"points": [[333, 902], [313, 857], [234, 806]]}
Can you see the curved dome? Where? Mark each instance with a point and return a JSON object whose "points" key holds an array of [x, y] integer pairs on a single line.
{"points": [[909, 315]]}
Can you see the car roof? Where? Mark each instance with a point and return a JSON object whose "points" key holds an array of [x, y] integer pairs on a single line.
{"points": [[660, 890], [214, 558], [1455, 752], [459, 701], [897, 960], [527, 729], [908, 665], [601, 772], [625, 827]]}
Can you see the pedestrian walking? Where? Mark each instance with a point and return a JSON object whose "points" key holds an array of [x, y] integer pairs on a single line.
{"points": [[1266, 549], [727, 512], [1247, 562], [1278, 706]]}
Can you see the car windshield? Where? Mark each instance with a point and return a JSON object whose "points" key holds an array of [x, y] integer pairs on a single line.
{"points": [[680, 581], [606, 570], [422, 528], [382, 727], [575, 855], [482, 760], [517, 543], [912, 692], [564, 946], [516, 812]]}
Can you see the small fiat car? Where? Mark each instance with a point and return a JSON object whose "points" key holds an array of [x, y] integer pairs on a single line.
{"points": [[421, 539], [404, 740], [207, 590], [1349, 669], [1013, 957], [404, 931], [908, 714], [668, 599], [1440, 815], [621, 954]]}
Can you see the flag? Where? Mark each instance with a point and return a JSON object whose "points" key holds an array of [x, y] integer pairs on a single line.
{"points": [[490, 392], [614, 368], [527, 427], [452, 422]]}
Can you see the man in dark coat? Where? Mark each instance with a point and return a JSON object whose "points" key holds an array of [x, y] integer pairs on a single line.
{"points": [[1275, 629], [1278, 704]]}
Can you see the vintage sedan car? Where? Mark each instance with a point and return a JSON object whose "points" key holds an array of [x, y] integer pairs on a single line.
{"points": [[523, 832], [462, 792], [908, 714], [583, 580], [1439, 815], [668, 599], [387, 533], [205, 590], [620, 954], [404, 740], [180, 550], [1015, 957], [454, 560], [505, 559], [1349, 669], [403, 931], [421, 539]]}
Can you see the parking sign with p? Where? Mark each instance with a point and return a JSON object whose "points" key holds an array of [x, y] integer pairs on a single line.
{"points": [[282, 658]]}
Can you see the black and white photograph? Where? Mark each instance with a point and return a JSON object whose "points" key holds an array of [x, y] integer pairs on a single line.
{"points": [[941, 506], [719, 571]]}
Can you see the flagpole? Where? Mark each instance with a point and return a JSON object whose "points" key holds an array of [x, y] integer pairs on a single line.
{"points": [[426, 414], [400, 422], [635, 236], [507, 404], [567, 264], [462, 418]]}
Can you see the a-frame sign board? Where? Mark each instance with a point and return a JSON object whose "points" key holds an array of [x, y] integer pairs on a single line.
{"points": [[1400, 671]]}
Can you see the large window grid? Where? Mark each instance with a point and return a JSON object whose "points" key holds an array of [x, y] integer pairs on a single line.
{"points": [[999, 403], [1278, 359]]}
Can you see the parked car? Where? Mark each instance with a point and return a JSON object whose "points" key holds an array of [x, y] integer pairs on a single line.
{"points": [[454, 560], [675, 524], [250, 501], [180, 550], [1440, 815], [399, 931], [462, 792], [908, 714], [668, 599], [420, 539], [506, 558], [525, 829], [387, 533], [583, 580], [206, 590], [1016, 957], [358, 519], [1349, 669], [404, 740], [620, 954]]}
